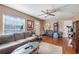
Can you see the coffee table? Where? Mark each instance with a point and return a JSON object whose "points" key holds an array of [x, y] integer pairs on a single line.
{"points": [[27, 48]]}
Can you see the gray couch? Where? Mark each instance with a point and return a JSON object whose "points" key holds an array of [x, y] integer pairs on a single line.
{"points": [[10, 42]]}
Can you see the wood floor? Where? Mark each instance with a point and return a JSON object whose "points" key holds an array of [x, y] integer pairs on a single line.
{"points": [[60, 42]]}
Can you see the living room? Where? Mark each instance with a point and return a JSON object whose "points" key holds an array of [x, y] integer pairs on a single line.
{"points": [[45, 25]]}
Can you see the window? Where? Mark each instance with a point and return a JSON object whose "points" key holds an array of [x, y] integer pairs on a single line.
{"points": [[13, 24]]}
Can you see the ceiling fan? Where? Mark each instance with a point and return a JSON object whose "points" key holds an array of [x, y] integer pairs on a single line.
{"points": [[48, 12]]}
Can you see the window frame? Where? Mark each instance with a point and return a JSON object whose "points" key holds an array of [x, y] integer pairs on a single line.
{"points": [[4, 24]]}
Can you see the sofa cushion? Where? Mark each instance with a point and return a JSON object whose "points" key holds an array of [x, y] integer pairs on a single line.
{"points": [[19, 36], [9, 47], [6, 38], [27, 34]]}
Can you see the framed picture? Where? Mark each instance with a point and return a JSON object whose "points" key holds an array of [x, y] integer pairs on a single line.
{"points": [[30, 25]]}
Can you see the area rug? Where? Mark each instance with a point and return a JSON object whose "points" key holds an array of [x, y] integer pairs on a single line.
{"points": [[46, 48]]}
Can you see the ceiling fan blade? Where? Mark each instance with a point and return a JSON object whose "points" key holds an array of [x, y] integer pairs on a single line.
{"points": [[43, 11], [52, 14]]}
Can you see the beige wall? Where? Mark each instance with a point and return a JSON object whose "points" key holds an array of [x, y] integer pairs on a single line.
{"points": [[42, 26], [9, 11]]}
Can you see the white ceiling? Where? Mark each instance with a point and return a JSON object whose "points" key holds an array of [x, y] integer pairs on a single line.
{"points": [[63, 10]]}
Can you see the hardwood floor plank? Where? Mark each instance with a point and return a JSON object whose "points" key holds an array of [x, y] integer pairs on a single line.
{"points": [[60, 42]]}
